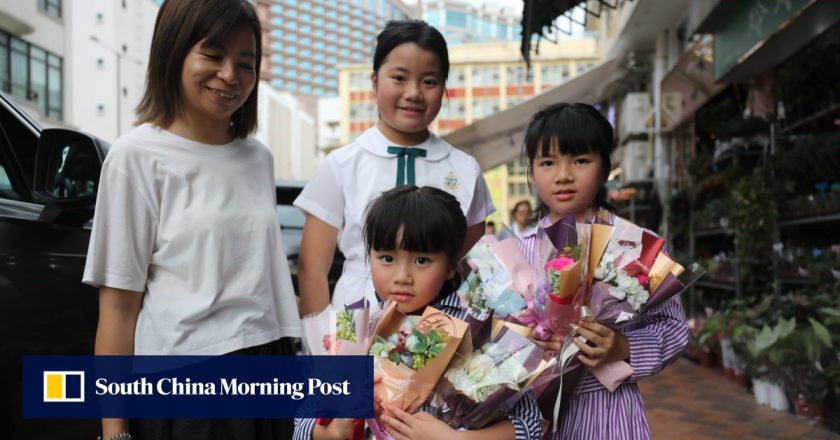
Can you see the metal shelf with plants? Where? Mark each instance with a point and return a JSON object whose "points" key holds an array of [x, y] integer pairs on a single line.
{"points": [[760, 210]]}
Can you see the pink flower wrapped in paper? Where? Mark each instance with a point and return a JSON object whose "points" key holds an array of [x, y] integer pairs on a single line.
{"points": [[338, 331], [481, 387], [499, 280], [561, 251]]}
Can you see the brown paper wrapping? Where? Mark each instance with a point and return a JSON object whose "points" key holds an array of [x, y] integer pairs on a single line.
{"points": [[402, 386]]}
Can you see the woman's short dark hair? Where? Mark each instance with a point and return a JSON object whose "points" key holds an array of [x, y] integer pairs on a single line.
{"points": [[419, 32], [417, 219], [518, 204], [179, 26], [575, 129]]}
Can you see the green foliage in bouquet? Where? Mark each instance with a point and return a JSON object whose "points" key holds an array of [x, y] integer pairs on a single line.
{"points": [[410, 347], [345, 326]]}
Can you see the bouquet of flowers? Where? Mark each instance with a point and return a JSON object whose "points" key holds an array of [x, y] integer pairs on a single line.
{"points": [[411, 353], [480, 388], [631, 275], [561, 252], [342, 331], [499, 279]]}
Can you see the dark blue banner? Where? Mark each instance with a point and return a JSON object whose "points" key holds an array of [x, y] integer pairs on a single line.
{"points": [[197, 386]]}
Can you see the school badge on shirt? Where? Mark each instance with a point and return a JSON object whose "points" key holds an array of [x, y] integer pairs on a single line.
{"points": [[451, 181]]}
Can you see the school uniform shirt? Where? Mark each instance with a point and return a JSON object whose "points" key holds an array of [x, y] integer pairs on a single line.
{"points": [[524, 415], [194, 227], [352, 176], [656, 340]]}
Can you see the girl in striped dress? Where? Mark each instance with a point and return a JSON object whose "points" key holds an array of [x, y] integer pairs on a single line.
{"points": [[414, 237], [569, 148]]}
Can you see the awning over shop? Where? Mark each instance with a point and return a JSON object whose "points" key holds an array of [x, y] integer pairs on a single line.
{"points": [[497, 139]]}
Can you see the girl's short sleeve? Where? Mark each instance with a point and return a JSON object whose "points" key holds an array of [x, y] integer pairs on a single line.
{"points": [[323, 196], [481, 204], [123, 234]]}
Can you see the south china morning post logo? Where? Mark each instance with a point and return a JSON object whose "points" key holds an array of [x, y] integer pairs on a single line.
{"points": [[197, 387], [64, 386]]}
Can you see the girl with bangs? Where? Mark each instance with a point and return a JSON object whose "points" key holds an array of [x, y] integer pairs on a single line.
{"points": [[568, 148], [414, 237]]}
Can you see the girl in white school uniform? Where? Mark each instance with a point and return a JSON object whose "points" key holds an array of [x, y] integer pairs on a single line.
{"points": [[410, 67]]}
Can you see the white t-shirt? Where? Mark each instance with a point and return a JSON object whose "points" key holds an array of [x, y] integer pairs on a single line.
{"points": [[353, 175], [194, 226]]}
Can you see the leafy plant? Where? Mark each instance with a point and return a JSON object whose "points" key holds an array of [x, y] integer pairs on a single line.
{"points": [[752, 220], [793, 355]]}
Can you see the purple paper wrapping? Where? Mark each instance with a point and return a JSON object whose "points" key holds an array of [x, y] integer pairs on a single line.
{"points": [[458, 410], [606, 307]]}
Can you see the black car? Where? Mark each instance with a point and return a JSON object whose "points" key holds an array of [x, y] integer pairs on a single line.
{"points": [[48, 183], [291, 222]]}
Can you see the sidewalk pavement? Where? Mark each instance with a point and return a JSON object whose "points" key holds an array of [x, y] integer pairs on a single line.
{"points": [[690, 402]]}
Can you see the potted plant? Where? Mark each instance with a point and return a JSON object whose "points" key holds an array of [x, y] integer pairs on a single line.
{"points": [[795, 355], [767, 356], [708, 339]]}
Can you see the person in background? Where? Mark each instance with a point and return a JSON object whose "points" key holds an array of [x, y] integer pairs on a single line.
{"points": [[522, 218]]}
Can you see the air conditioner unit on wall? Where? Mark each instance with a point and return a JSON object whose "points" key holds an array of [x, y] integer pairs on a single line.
{"points": [[636, 161], [636, 115]]}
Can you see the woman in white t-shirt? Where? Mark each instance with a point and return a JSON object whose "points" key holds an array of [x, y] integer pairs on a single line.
{"points": [[410, 67], [185, 247]]}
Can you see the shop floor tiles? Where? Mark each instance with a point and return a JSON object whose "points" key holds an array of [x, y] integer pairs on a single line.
{"points": [[689, 402]]}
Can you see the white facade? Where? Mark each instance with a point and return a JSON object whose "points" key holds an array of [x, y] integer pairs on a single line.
{"points": [[23, 21], [288, 131], [329, 123], [111, 40]]}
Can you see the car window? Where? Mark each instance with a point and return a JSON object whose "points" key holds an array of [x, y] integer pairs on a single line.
{"points": [[290, 217], [22, 142], [6, 190]]}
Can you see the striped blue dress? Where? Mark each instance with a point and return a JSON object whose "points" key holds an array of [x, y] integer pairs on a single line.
{"points": [[525, 415], [593, 412]]}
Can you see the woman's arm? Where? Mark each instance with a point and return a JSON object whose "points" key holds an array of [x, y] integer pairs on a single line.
{"points": [[317, 248], [118, 311]]}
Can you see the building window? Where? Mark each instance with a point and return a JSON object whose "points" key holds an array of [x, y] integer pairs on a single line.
{"points": [[484, 107], [453, 109], [32, 74], [485, 76], [50, 7], [456, 78], [100, 110], [552, 73], [99, 18], [100, 63], [517, 75]]}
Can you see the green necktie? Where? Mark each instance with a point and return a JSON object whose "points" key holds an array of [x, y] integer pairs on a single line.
{"points": [[401, 153]]}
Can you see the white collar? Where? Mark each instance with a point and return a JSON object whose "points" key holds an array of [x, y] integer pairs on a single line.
{"points": [[376, 143]]}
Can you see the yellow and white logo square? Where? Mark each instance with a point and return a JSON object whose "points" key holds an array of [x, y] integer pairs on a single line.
{"points": [[64, 386]]}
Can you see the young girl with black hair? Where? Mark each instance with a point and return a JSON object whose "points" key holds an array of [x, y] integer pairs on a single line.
{"points": [[568, 148], [410, 67], [414, 237]]}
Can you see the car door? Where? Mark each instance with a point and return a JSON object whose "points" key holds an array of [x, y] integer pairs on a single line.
{"points": [[44, 307]]}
